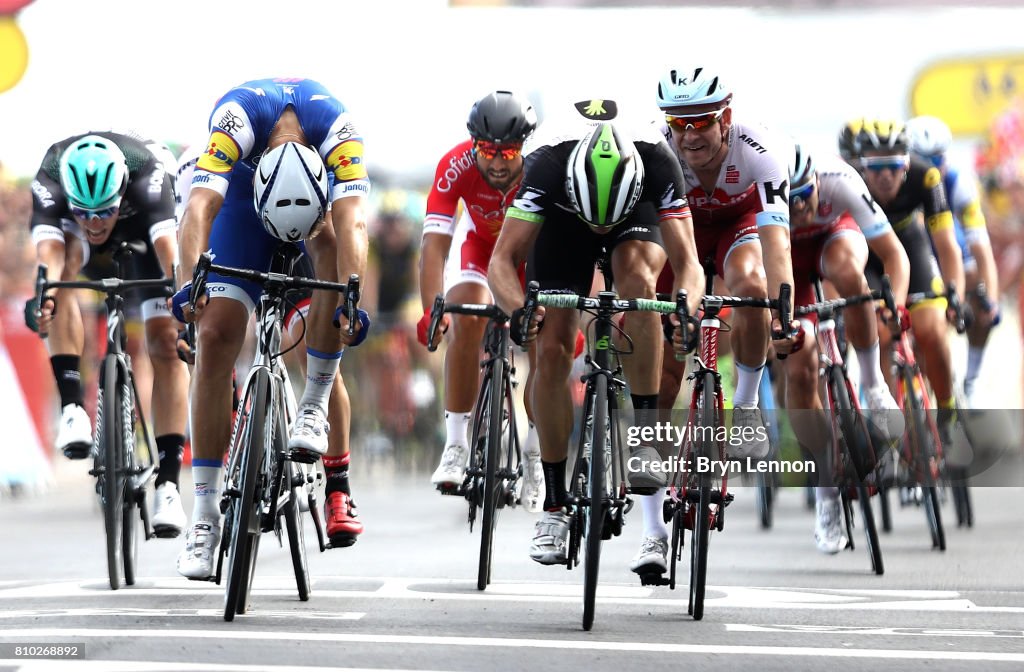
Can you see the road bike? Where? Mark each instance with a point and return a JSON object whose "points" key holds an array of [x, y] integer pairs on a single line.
{"points": [[495, 466], [123, 468], [598, 490], [264, 482], [851, 456]]}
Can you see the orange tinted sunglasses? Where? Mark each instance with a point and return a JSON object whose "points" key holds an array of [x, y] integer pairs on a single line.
{"points": [[697, 122], [489, 150]]}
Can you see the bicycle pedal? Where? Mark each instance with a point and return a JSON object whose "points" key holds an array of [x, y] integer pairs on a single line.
{"points": [[449, 489], [302, 457], [342, 541], [653, 578], [166, 531]]}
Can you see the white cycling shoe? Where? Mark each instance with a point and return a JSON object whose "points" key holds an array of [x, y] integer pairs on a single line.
{"points": [[74, 438], [309, 433], [168, 515], [202, 542]]}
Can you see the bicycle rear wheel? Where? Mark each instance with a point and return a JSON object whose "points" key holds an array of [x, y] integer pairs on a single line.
{"points": [[111, 449], [296, 533], [595, 509], [855, 434], [925, 454], [708, 418], [870, 531], [250, 437], [494, 402]]}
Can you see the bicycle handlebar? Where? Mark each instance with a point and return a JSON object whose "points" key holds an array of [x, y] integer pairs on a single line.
{"points": [[962, 320], [109, 286], [439, 308], [830, 305]]}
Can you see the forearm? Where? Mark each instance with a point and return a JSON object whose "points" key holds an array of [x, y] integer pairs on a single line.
{"points": [[504, 282], [350, 229], [682, 256], [951, 263], [778, 264], [167, 253], [51, 253], [433, 253], [895, 264], [194, 233], [987, 270]]}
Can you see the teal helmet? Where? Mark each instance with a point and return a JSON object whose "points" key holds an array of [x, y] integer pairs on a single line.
{"points": [[93, 173], [604, 178]]}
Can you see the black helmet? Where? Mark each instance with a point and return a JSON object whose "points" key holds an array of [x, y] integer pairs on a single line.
{"points": [[501, 117]]}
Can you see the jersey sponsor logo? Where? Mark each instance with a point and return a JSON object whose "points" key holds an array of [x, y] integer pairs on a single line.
{"points": [[732, 174], [527, 203], [346, 132], [357, 186], [870, 201], [346, 161], [771, 191], [200, 178], [669, 200], [758, 147], [932, 178], [457, 165], [231, 122], [319, 96], [718, 198], [42, 193], [221, 153], [156, 180]]}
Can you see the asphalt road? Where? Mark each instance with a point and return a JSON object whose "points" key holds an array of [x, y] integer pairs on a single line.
{"points": [[404, 597]]}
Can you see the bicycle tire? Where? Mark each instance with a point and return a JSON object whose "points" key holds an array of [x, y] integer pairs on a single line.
{"points": [[870, 530], [763, 492], [495, 380], [595, 508], [702, 521], [855, 436], [923, 436], [961, 496], [112, 488], [246, 524], [885, 508], [296, 533]]}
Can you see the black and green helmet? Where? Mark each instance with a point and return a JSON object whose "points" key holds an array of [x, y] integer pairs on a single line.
{"points": [[604, 178]]}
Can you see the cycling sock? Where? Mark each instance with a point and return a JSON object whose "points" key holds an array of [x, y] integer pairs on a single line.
{"points": [[652, 507], [170, 448], [206, 475], [554, 485], [946, 404], [974, 358], [869, 360], [69, 379], [321, 369], [748, 380], [336, 469], [457, 425], [826, 494], [532, 444]]}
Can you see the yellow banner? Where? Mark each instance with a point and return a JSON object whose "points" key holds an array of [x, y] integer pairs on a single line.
{"points": [[968, 93]]}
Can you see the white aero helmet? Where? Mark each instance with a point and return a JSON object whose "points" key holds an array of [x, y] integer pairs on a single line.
{"points": [[290, 191], [929, 137], [699, 88]]}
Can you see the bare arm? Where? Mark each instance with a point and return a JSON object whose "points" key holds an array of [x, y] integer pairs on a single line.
{"points": [[951, 262], [349, 218], [514, 244], [895, 262], [166, 248], [194, 233], [677, 235], [778, 264], [433, 253]]}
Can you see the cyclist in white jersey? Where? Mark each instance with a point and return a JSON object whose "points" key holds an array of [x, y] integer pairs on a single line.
{"points": [[737, 183], [930, 139], [833, 223]]}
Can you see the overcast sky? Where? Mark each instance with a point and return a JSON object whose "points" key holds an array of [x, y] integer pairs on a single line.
{"points": [[410, 69]]}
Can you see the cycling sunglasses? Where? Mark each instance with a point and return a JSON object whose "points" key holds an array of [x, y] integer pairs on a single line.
{"points": [[489, 150], [801, 194], [697, 122], [83, 213], [880, 163]]}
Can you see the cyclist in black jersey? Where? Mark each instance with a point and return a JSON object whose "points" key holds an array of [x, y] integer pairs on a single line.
{"points": [[589, 188], [906, 187], [91, 192]]}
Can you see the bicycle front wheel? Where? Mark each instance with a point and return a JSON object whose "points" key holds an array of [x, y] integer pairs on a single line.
{"points": [[495, 398], [595, 509], [250, 436], [923, 436], [870, 530], [111, 456], [707, 420], [130, 515]]}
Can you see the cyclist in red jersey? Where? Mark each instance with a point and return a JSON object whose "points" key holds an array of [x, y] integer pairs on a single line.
{"points": [[482, 174]]}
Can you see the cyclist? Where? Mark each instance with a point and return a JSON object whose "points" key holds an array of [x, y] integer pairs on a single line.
{"points": [[902, 186], [833, 225], [484, 174], [343, 525], [737, 181], [929, 138], [585, 189], [269, 138], [93, 191]]}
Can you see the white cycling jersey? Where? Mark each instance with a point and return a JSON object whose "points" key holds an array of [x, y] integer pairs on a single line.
{"points": [[841, 190], [754, 177]]}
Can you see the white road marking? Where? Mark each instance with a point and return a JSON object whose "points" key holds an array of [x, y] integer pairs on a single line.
{"points": [[23, 665], [869, 630], [72, 634], [165, 613], [733, 597]]}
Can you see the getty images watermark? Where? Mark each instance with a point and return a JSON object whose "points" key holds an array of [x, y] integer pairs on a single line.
{"points": [[667, 433]]}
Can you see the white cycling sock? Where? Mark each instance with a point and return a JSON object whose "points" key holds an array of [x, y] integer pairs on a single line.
{"points": [[207, 490], [974, 359], [532, 444], [826, 494], [652, 506], [748, 381], [870, 363], [457, 425], [321, 368]]}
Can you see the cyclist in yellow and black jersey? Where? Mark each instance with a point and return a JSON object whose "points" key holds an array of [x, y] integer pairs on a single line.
{"points": [[904, 187]]}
